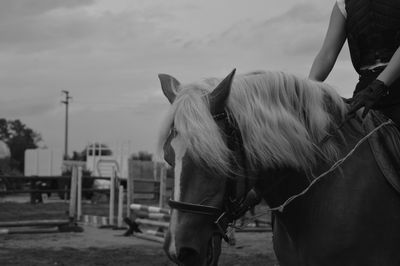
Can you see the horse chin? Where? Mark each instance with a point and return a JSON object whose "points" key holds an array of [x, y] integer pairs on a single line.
{"points": [[210, 258]]}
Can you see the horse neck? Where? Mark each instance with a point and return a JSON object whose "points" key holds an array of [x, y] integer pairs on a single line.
{"points": [[345, 139], [289, 181], [277, 185]]}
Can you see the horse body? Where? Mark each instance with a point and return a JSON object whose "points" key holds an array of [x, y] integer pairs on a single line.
{"points": [[346, 219], [351, 216]]}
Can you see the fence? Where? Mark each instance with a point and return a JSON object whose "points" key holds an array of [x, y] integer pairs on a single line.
{"points": [[38, 226]]}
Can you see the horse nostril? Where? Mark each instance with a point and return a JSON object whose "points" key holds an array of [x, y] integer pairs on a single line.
{"points": [[188, 255]]}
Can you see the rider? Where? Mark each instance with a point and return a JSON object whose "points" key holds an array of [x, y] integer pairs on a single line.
{"points": [[372, 29]]}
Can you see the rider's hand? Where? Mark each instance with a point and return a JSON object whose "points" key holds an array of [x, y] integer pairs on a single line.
{"points": [[368, 97]]}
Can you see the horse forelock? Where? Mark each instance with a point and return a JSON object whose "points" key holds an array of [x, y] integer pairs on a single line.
{"points": [[281, 118], [192, 120]]}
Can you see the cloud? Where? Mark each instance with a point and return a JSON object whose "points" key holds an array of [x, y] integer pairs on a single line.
{"points": [[30, 25], [40, 34], [155, 104], [22, 9], [58, 27], [296, 31], [108, 54], [28, 107], [302, 13]]}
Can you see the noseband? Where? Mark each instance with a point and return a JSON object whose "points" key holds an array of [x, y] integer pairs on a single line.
{"points": [[234, 206]]}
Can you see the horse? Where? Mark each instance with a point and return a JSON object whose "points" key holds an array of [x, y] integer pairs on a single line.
{"points": [[282, 137]]}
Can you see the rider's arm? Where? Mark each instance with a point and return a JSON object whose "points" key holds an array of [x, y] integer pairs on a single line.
{"points": [[333, 43], [392, 70]]}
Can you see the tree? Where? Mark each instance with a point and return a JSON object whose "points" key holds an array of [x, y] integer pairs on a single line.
{"points": [[18, 137]]}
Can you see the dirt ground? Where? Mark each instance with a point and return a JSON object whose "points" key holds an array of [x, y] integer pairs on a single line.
{"points": [[108, 247], [96, 246]]}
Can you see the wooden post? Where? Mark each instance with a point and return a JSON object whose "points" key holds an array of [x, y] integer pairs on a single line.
{"points": [[32, 194], [163, 185], [79, 194], [94, 159], [73, 192], [129, 188], [51, 163], [65, 193], [112, 196], [120, 205], [155, 171]]}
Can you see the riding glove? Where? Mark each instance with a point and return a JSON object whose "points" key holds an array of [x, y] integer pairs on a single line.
{"points": [[368, 97]]}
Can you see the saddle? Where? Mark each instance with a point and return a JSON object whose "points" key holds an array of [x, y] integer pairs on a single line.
{"points": [[385, 145]]}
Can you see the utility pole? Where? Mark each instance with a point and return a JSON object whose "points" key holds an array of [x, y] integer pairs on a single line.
{"points": [[66, 102]]}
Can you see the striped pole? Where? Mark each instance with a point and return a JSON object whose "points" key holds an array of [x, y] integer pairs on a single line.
{"points": [[152, 209], [154, 233], [34, 223], [10, 231], [100, 221], [149, 237], [152, 215], [152, 222]]}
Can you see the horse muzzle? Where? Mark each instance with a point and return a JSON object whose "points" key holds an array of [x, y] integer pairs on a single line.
{"points": [[193, 253]]}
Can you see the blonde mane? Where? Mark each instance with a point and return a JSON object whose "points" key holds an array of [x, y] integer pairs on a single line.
{"points": [[281, 117]]}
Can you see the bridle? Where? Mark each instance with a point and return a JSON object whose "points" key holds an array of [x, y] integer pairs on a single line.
{"points": [[234, 206]]}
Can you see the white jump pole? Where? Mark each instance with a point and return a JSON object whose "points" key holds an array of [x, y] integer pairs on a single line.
{"points": [[112, 196], [34, 223], [120, 205], [152, 222], [149, 237], [72, 199], [79, 194]]}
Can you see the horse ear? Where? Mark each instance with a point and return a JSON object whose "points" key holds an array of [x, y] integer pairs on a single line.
{"points": [[169, 86], [220, 94]]}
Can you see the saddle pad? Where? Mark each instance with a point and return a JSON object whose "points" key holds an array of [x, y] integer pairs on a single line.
{"points": [[385, 145]]}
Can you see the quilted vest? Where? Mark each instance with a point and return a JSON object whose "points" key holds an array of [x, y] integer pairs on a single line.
{"points": [[373, 30]]}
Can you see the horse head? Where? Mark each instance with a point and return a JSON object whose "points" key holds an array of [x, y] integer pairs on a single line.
{"points": [[200, 189]]}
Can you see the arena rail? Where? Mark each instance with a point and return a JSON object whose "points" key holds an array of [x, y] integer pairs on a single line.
{"points": [[40, 226]]}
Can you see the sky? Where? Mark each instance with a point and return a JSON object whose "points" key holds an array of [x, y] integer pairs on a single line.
{"points": [[107, 54]]}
